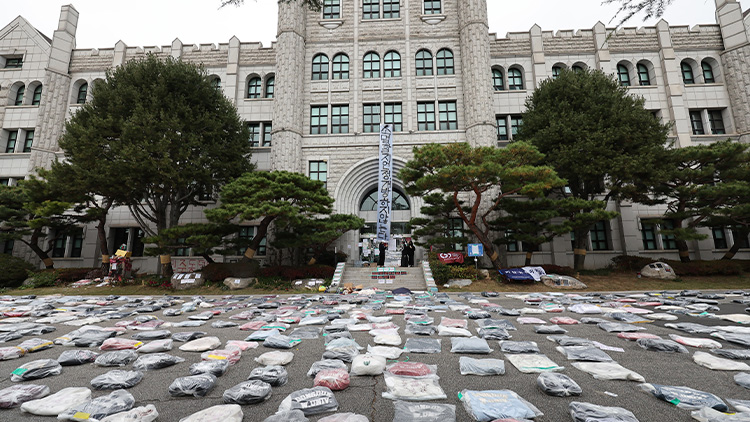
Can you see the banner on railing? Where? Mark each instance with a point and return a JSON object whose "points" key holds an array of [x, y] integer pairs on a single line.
{"points": [[385, 183]]}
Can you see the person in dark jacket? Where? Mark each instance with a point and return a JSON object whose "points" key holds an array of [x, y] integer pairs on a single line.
{"points": [[404, 257], [410, 249], [381, 257]]}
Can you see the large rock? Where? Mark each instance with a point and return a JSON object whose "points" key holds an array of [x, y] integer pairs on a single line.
{"points": [[239, 283], [659, 270], [185, 281], [556, 281], [484, 274], [458, 282]]}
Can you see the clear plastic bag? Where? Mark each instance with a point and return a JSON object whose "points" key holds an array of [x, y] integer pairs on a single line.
{"points": [[719, 364], [587, 412], [519, 347], [706, 414], [533, 363], [76, 357], [741, 339], [411, 369], [156, 361], [388, 338], [36, 345], [116, 358], [742, 379], [703, 343], [152, 335], [420, 330], [685, 397], [8, 353], [281, 342], [344, 417], [156, 346], [242, 345], [216, 368], [311, 401], [739, 354], [100, 407], [232, 355], [549, 329], [424, 412], [636, 336], [146, 413], [608, 371], [584, 353], [563, 321], [18, 394], [494, 334], [658, 345], [222, 412], [618, 327], [116, 379], [385, 351], [57, 403], [470, 345], [741, 405], [201, 344], [368, 365], [558, 385], [248, 392], [325, 364], [335, 379], [276, 375], [303, 333], [36, 369], [184, 337], [223, 324], [344, 353], [471, 366], [194, 385], [488, 405], [412, 388], [453, 323], [275, 358], [453, 331], [287, 416], [422, 345]]}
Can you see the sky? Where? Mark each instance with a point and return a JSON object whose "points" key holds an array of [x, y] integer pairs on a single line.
{"points": [[158, 22]]}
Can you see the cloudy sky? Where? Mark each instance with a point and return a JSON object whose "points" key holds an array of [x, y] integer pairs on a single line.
{"points": [[157, 22]]}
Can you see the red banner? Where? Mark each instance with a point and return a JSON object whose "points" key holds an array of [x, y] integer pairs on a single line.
{"points": [[451, 258]]}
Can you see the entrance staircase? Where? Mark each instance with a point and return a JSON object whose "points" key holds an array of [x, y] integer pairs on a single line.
{"points": [[386, 278]]}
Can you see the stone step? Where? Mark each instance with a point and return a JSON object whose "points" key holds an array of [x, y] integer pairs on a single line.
{"points": [[413, 278]]}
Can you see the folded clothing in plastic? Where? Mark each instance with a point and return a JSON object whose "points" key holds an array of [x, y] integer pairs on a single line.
{"points": [[636, 336], [222, 412], [385, 351], [470, 345], [424, 412], [471, 366], [618, 327], [739, 354], [188, 336], [570, 341], [120, 344], [8, 353], [116, 358], [368, 365], [231, 354], [719, 364], [584, 353], [156, 361], [248, 392], [411, 369], [36, 369], [742, 379], [335, 379], [281, 342], [494, 333], [274, 375], [412, 388], [518, 347], [558, 385], [563, 321], [286, 416], [344, 417], [216, 368], [100, 407], [146, 413], [275, 358], [57, 403], [703, 343], [608, 371], [741, 339], [420, 330], [587, 412], [453, 331], [311, 401], [156, 346], [455, 323], [344, 353], [422, 345], [305, 333], [706, 414], [35, 345], [685, 397], [18, 394], [549, 329], [201, 344], [533, 363], [194, 385], [152, 335], [488, 405], [658, 345], [117, 379]]}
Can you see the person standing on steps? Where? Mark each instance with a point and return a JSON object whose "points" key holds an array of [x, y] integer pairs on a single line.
{"points": [[381, 257], [409, 248]]}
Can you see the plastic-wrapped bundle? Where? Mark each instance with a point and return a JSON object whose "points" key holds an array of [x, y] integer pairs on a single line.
{"points": [[471, 366], [203, 316], [275, 358], [658, 345], [325, 364], [470, 345], [281, 342], [530, 320], [344, 417], [214, 367], [36, 369], [413, 388], [741, 339], [335, 379], [741, 405], [222, 412], [703, 343], [739, 354], [453, 331], [156, 361], [593, 320], [453, 323], [608, 371], [570, 341], [248, 392], [563, 321], [496, 323], [8, 353], [488, 405], [120, 344], [223, 324], [385, 351], [311, 401], [706, 414], [558, 385], [549, 329], [636, 336], [691, 328], [313, 320], [152, 335], [685, 397], [116, 358], [303, 333], [146, 413], [193, 385], [241, 345], [274, 375], [156, 346], [587, 412], [422, 345], [533, 363], [420, 330], [57, 403], [345, 353], [35, 345], [478, 315], [261, 335], [618, 327], [287, 416], [629, 317], [18, 394], [172, 312], [719, 364], [368, 365], [100, 407], [585, 308], [10, 336], [252, 325], [424, 412], [584, 353], [388, 338], [117, 379], [188, 336], [76, 357], [411, 369], [494, 334], [742, 379], [201, 344], [519, 347]]}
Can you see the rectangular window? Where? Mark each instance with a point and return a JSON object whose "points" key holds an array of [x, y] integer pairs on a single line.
{"points": [[28, 141], [717, 123], [515, 124], [371, 9], [267, 129], [131, 237], [668, 241], [696, 121], [648, 234], [599, 237], [10, 146], [58, 246], [331, 9], [512, 246], [392, 116], [391, 9], [432, 7], [318, 120], [14, 63], [720, 237], [319, 171], [425, 116], [8, 247], [455, 229], [181, 251], [254, 134], [741, 240], [447, 115], [340, 119], [371, 118], [5, 181], [502, 128], [76, 245], [246, 235]]}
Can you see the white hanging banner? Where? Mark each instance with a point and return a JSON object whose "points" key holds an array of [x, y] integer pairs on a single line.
{"points": [[385, 183]]}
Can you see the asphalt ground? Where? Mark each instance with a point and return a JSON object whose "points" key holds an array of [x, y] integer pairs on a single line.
{"points": [[364, 395]]}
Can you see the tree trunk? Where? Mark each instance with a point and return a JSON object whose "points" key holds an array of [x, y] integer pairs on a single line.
{"points": [[735, 246], [103, 246], [259, 235], [579, 250], [682, 247], [165, 266], [33, 243], [489, 247], [529, 254], [208, 258]]}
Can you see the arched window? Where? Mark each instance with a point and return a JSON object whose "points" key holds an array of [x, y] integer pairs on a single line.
{"points": [[687, 73], [320, 67], [253, 88], [708, 72], [340, 66], [370, 203], [444, 62], [216, 82], [37, 98], [371, 65], [424, 63], [270, 85], [392, 65], [622, 75], [643, 77], [82, 92], [577, 68], [498, 83], [19, 95], [556, 71], [515, 79]]}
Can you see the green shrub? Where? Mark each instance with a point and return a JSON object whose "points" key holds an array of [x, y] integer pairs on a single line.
{"points": [[14, 270], [43, 278], [442, 272], [71, 275]]}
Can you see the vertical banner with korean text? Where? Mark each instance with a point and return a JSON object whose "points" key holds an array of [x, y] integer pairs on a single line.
{"points": [[385, 183]]}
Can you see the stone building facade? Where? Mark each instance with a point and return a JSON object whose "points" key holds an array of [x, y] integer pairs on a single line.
{"points": [[315, 97]]}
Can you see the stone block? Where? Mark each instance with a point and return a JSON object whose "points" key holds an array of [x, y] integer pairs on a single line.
{"points": [[185, 281], [562, 282], [659, 270], [239, 283], [458, 282]]}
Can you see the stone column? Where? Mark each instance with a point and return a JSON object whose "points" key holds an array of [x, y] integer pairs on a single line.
{"points": [[734, 61], [674, 85], [476, 72], [601, 45], [288, 111]]}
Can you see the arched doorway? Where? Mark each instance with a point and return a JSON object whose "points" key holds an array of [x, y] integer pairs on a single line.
{"points": [[400, 216]]}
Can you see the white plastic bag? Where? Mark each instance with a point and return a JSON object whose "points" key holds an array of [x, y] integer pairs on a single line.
{"points": [[608, 371], [386, 352], [275, 358], [157, 346], [719, 364], [703, 343], [485, 406], [471, 366], [368, 365], [219, 413], [201, 344], [706, 414], [146, 413], [533, 363], [452, 331], [411, 388], [344, 417], [57, 403]]}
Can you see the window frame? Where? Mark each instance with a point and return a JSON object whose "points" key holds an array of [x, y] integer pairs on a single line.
{"points": [[320, 66], [498, 76], [269, 87], [371, 65], [339, 119], [339, 62], [331, 9], [370, 9], [254, 88], [688, 75], [321, 128], [392, 64], [82, 95], [36, 97], [516, 121], [20, 91], [432, 7], [644, 77], [13, 63], [502, 135], [696, 122], [515, 81], [12, 137], [556, 71], [721, 241], [393, 8], [424, 122], [316, 172], [255, 129], [447, 115], [445, 64], [716, 122], [371, 117], [708, 74], [420, 63], [389, 117], [623, 75], [28, 141]]}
